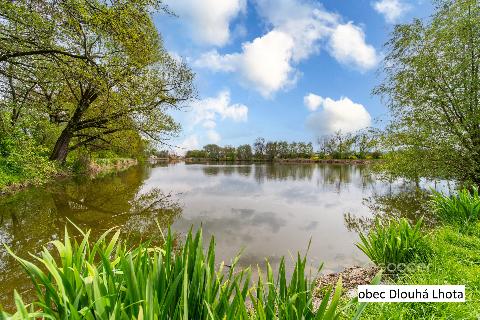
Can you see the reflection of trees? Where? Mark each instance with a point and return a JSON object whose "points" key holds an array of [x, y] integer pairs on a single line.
{"points": [[283, 172], [357, 224], [245, 171], [339, 176], [32, 218], [407, 201], [151, 208], [227, 170], [336, 175]]}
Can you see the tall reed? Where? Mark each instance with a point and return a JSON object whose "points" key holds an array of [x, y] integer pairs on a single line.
{"points": [[106, 280], [462, 209], [394, 242]]}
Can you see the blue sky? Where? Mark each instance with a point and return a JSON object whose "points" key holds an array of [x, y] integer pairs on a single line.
{"points": [[281, 69]]}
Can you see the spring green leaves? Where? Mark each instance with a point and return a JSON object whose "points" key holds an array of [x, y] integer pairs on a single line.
{"points": [[395, 242], [460, 210], [106, 280]]}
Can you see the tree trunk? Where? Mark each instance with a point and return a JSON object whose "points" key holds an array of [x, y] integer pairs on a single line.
{"points": [[60, 151]]}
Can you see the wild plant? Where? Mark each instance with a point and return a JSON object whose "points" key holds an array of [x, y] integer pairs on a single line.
{"points": [[106, 280], [461, 209], [394, 242]]}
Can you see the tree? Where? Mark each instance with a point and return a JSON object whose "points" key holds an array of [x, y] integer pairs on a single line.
{"points": [[432, 87], [282, 149], [271, 151], [229, 153], [96, 69], [213, 151], [196, 154], [244, 152], [305, 150], [259, 148]]}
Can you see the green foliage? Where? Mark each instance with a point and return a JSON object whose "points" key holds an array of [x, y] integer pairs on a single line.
{"points": [[339, 145], [454, 260], [23, 161], [394, 242], [431, 86], [105, 280], [89, 75], [461, 210]]}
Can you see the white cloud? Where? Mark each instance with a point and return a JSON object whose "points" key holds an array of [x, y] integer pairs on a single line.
{"points": [[338, 115], [347, 45], [213, 136], [209, 124], [297, 30], [217, 62], [189, 143], [312, 101], [266, 62], [207, 110], [208, 20], [304, 21], [392, 10]]}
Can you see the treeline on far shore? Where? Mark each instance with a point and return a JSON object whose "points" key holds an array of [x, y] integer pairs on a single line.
{"points": [[336, 146]]}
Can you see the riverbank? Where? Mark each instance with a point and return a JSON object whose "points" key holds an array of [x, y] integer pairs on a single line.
{"points": [[288, 161], [98, 167], [455, 261], [91, 168]]}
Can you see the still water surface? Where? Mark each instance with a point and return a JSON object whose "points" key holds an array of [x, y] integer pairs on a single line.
{"points": [[267, 210]]}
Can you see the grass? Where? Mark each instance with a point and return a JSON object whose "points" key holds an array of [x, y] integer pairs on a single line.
{"points": [[394, 242], [461, 210], [106, 280], [455, 260]]}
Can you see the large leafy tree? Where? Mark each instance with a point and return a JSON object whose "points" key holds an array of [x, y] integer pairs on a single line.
{"points": [[432, 87], [97, 68]]}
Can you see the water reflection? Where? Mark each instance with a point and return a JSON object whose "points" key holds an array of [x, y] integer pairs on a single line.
{"points": [[401, 200], [268, 210], [32, 218]]}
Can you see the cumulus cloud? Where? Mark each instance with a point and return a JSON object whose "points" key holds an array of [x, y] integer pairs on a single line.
{"points": [[312, 101], [265, 62], [208, 20], [338, 115], [305, 22], [206, 112], [391, 10], [347, 45], [189, 143], [297, 29], [213, 136]]}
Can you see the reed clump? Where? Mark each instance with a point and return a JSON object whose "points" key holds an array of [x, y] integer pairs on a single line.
{"points": [[106, 280]]}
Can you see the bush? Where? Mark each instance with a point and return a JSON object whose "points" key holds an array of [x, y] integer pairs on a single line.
{"points": [[22, 161], [461, 210], [105, 280], [395, 242]]}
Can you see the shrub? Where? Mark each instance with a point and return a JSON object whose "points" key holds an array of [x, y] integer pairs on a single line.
{"points": [[23, 161], [395, 242], [462, 209], [105, 280]]}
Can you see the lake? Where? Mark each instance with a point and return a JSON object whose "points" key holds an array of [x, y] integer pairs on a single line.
{"points": [[266, 210]]}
